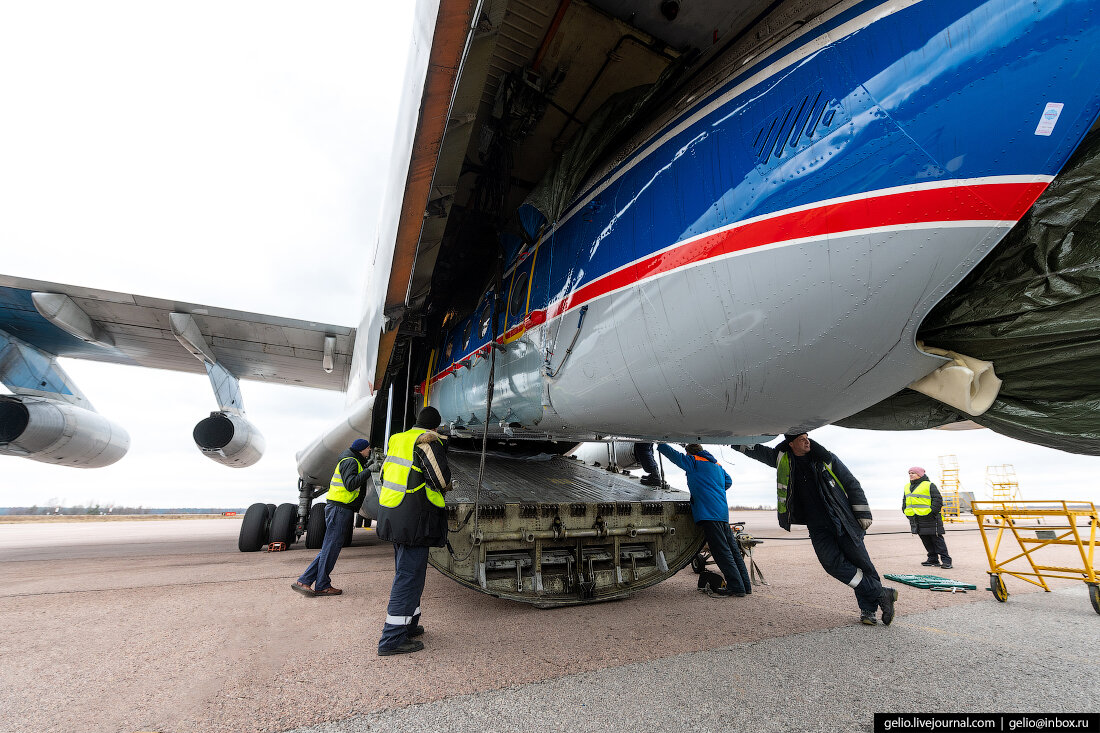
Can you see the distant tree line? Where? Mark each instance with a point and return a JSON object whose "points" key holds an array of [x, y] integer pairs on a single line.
{"points": [[93, 508]]}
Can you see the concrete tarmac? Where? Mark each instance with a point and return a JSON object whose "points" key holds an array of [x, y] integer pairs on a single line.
{"points": [[164, 626]]}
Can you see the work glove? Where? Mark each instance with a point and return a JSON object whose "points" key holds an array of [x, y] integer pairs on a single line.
{"points": [[865, 523]]}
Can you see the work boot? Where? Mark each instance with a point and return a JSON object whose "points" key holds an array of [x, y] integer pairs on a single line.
{"points": [[650, 480], [417, 630], [946, 565], [886, 603], [930, 564], [868, 619], [406, 647]]}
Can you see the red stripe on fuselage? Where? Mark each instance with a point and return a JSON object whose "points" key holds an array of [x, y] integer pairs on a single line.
{"points": [[987, 202], [981, 202]]}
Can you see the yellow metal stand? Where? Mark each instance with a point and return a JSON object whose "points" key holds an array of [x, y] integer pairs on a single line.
{"points": [[949, 489], [1058, 521], [1002, 482]]}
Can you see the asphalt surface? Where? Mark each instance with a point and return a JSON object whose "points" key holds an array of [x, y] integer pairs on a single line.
{"points": [[165, 626], [1035, 654]]}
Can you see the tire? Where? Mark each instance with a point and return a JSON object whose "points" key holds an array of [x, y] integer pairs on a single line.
{"points": [[698, 564], [1094, 596], [350, 534], [253, 529], [1000, 592], [283, 524], [315, 527]]}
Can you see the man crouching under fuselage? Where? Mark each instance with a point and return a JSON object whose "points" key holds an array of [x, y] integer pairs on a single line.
{"points": [[814, 488]]}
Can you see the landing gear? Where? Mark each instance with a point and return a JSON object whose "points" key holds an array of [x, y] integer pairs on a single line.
{"points": [[283, 522], [254, 528], [315, 527]]}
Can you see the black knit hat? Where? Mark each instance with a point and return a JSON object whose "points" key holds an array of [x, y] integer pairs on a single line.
{"points": [[788, 437], [428, 419]]}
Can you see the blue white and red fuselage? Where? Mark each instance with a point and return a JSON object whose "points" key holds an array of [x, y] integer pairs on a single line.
{"points": [[763, 258]]}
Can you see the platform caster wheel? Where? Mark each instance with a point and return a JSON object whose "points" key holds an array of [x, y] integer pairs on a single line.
{"points": [[1094, 596], [699, 564], [283, 523], [315, 527], [253, 529], [1000, 592]]}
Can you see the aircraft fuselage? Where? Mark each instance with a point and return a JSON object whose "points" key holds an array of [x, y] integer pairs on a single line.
{"points": [[762, 257]]}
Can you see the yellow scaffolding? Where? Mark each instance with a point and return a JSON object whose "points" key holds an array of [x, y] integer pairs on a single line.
{"points": [[1054, 523], [950, 488], [1002, 483]]}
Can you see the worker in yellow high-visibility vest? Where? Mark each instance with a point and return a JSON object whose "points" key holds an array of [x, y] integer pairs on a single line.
{"points": [[412, 516], [813, 487], [350, 483], [923, 505]]}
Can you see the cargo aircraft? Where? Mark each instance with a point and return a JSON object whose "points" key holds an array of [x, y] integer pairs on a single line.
{"points": [[624, 221]]}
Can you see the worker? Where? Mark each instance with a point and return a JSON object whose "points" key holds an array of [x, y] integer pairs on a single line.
{"points": [[923, 505], [814, 488], [411, 515], [350, 483], [643, 454], [708, 483]]}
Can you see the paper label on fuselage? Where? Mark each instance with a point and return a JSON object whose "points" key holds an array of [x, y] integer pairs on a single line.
{"points": [[1049, 118]]}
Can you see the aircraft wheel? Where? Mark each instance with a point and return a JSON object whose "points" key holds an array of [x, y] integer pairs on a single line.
{"points": [[1094, 596], [698, 564], [1000, 592], [253, 529], [315, 527], [283, 522]]}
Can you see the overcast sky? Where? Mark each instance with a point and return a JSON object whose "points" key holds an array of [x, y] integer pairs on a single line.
{"points": [[231, 154]]}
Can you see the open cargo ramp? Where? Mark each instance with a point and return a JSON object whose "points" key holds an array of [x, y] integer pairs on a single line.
{"points": [[552, 531]]}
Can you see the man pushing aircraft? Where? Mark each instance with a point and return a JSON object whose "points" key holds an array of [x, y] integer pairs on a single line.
{"points": [[814, 488]]}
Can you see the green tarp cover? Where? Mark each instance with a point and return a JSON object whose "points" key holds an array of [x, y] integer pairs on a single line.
{"points": [[1032, 307]]}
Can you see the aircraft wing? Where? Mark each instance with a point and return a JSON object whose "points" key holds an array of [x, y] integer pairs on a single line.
{"points": [[121, 328]]}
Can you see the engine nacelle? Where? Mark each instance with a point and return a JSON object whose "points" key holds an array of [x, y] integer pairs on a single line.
{"points": [[618, 453], [229, 440], [56, 432]]}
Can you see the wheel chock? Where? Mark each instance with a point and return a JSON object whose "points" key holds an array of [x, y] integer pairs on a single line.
{"points": [[276, 547]]}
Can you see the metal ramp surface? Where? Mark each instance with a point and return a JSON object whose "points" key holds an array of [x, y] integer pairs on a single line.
{"points": [[544, 479]]}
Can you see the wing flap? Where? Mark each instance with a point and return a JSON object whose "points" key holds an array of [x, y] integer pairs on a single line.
{"points": [[250, 345]]}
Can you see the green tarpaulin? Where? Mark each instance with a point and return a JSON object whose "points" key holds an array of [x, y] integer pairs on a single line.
{"points": [[1032, 307]]}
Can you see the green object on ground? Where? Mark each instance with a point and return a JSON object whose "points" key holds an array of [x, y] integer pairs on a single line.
{"points": [[929, 581]]}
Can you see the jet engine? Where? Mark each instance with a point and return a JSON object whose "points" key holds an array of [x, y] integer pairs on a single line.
{"points": [[229, 440], [56, 432], [619, 453]]}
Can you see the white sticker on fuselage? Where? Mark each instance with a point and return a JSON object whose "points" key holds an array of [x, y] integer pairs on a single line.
{"points": [[1049, 118]]}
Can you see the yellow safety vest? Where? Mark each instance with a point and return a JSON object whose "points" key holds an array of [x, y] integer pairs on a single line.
{"points": [[783, 476], [336, 489], [397, 468], [919, 500]]}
